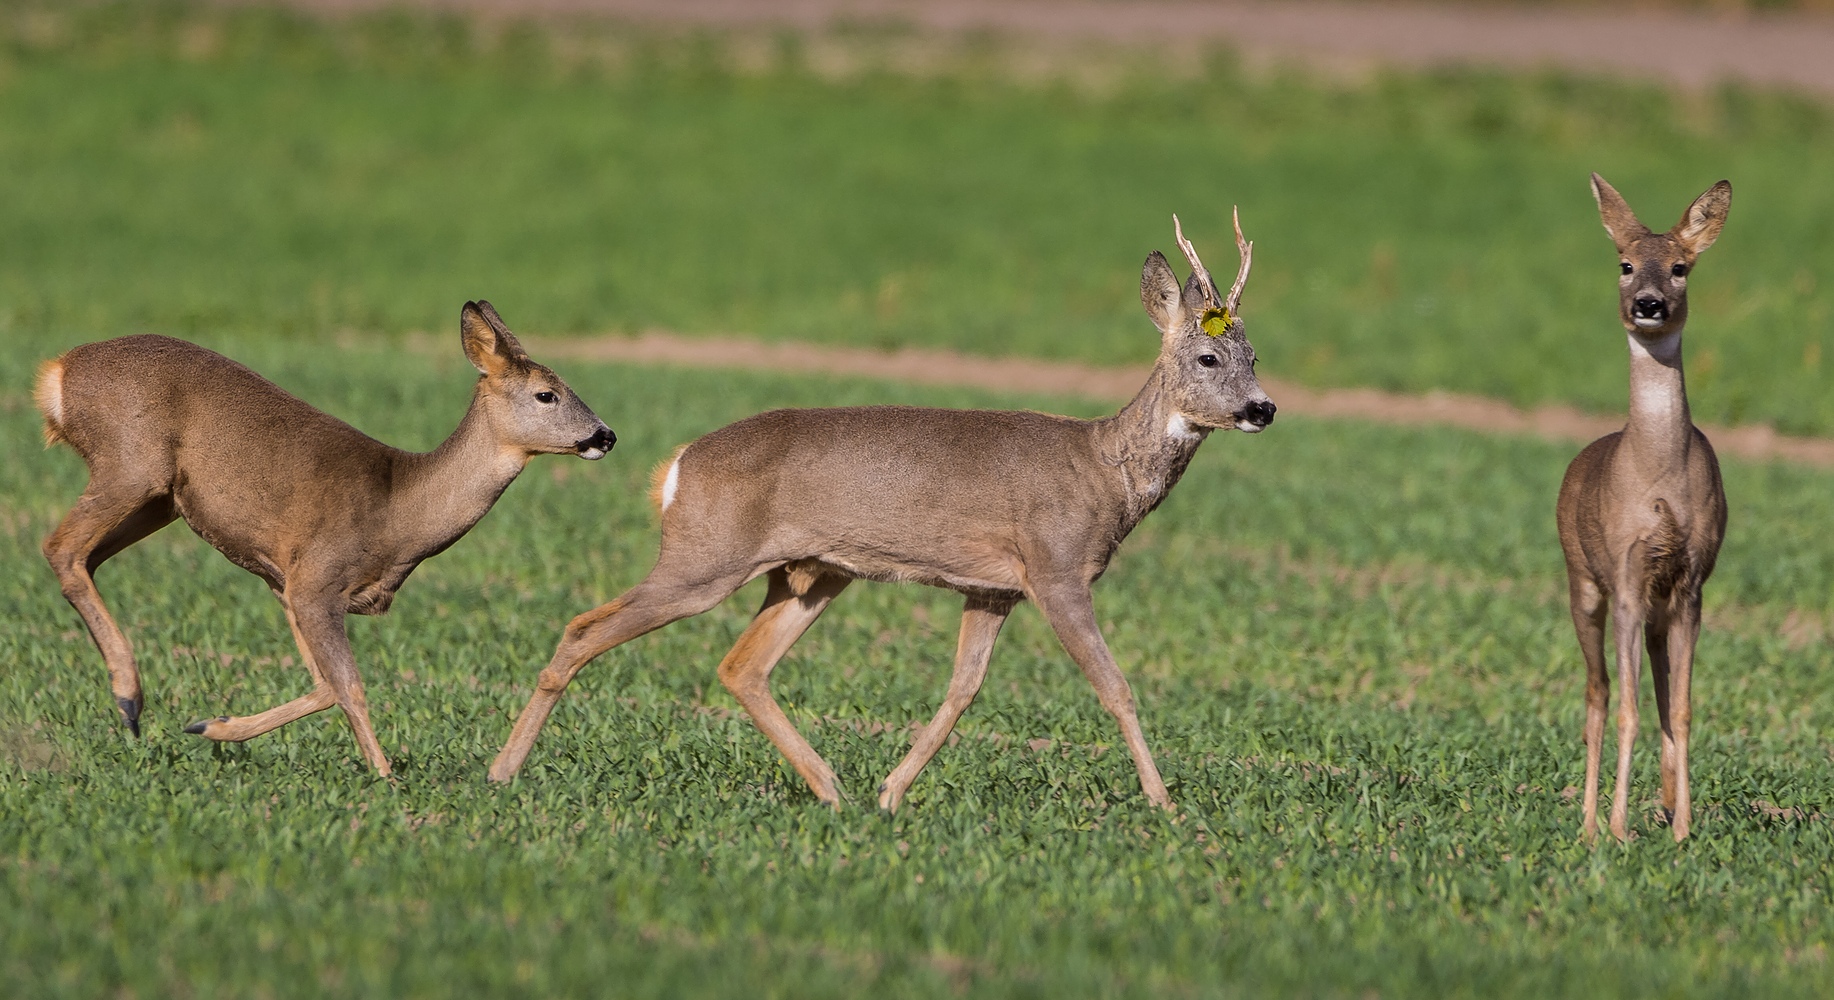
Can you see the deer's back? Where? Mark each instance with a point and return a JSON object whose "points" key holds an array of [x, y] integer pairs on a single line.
{"points": [[942, 496], [240, 454]]}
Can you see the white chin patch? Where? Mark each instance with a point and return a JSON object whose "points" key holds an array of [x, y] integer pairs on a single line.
{"points": [[592, 454], [1249, 427], [1646, 323]]}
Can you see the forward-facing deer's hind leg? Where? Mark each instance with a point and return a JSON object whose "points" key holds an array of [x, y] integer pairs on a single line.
{"points": [[1627, 628], [235, 729], [795, 598], [1655, 643], [664, 596], [981, 621], [1071, 612], [1588, 607], [1683, 633], [107, 519]]}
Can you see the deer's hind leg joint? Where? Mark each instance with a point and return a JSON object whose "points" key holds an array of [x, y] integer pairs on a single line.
{"points": [[99, 526], [746, 669]]}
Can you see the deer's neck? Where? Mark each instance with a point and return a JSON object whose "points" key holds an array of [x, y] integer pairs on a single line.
{"points": [[1660, 429], [1149, 444], [440, 494]]}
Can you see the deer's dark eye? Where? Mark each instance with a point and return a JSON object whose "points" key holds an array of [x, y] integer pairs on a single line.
{"points": [[1207, 360], [1679, 270], [545, 396], [1626, 266]]}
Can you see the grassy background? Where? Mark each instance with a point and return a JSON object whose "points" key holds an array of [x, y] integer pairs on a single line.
{"points": [[257, 172], [1348, 642], [1367, 705]]}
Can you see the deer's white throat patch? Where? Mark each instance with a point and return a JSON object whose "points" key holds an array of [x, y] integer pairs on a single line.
{"points": [[670, 482], [1180, 429]]}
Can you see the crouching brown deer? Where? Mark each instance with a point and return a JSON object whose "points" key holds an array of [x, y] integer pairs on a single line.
{"points": [[998, 506], [331, 519], [1641, 511]]}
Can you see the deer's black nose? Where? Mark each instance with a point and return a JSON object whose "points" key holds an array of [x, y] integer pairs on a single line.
{"points": [[600, 441], [1649, 308], [1260, 412]]}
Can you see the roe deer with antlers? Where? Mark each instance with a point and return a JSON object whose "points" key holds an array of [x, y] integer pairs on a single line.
{"points": [[998, 506], [1642, 513], [332, 519]]}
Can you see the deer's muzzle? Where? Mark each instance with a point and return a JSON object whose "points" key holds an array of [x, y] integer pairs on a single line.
{"points": [[1256, 416], [594, 448]]}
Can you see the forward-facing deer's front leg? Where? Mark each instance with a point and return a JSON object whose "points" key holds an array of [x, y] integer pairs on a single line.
{"points": [[236, 729], [787, 613], [1588, 607], [1070, 609], [319, 623], [981, 621], [661, 598], [107, 519]]}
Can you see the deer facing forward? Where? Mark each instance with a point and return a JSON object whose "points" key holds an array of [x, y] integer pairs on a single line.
{"points": [[1642, 512], [331, 519], [998, 506]]}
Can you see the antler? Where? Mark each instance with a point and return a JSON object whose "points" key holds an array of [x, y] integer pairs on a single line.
{"points": [[1247, 249], [1197, 266]]}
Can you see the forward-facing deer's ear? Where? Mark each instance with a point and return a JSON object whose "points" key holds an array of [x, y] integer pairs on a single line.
{"points": [[1701, 223], [1159, 293], [1615, 212], [489, 345]]}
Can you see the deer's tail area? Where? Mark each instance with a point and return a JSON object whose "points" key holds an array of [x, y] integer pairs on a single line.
{"points": [[48, 391], [664, 479]]}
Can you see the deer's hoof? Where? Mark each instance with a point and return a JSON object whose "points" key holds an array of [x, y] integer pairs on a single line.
{"points": [[198, 728], [130, 711]]}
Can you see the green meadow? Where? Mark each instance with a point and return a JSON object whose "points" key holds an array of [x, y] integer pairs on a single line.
{"points": [[258, 172], [1349, 643]]}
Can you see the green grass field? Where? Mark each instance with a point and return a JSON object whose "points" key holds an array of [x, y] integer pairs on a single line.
{"points": [[261, 173], [1348, 644]]}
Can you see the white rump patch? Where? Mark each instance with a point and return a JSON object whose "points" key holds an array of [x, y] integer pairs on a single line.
{"points": [[51, 392], [1180, 429], [670, 482]]}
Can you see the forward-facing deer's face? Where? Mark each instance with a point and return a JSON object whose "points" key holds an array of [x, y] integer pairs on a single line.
{"points": [[1653, 268], [1203, 347], [531, 409]]}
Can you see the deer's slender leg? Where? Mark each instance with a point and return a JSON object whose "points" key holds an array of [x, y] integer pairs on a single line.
{"points": [[1071, 613], [648, 606], [236, 729], [1588, 608], [103, 522], [981, 621], [1627, 626], [1655, 641], [323, 641], [1684, 632], [746, 670]]}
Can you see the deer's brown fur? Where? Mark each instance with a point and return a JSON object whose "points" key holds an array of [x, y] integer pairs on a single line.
{"points": [[1641, 512], [330, 518], [999, 506]]}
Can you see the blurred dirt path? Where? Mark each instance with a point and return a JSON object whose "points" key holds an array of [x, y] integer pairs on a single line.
{"points": [[1117, 385], [1791, 50]]}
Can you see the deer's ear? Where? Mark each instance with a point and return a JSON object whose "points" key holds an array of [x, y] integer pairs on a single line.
{"points": [[1159, 293], [1701, 223], [489, 345], [1615, 213]]}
